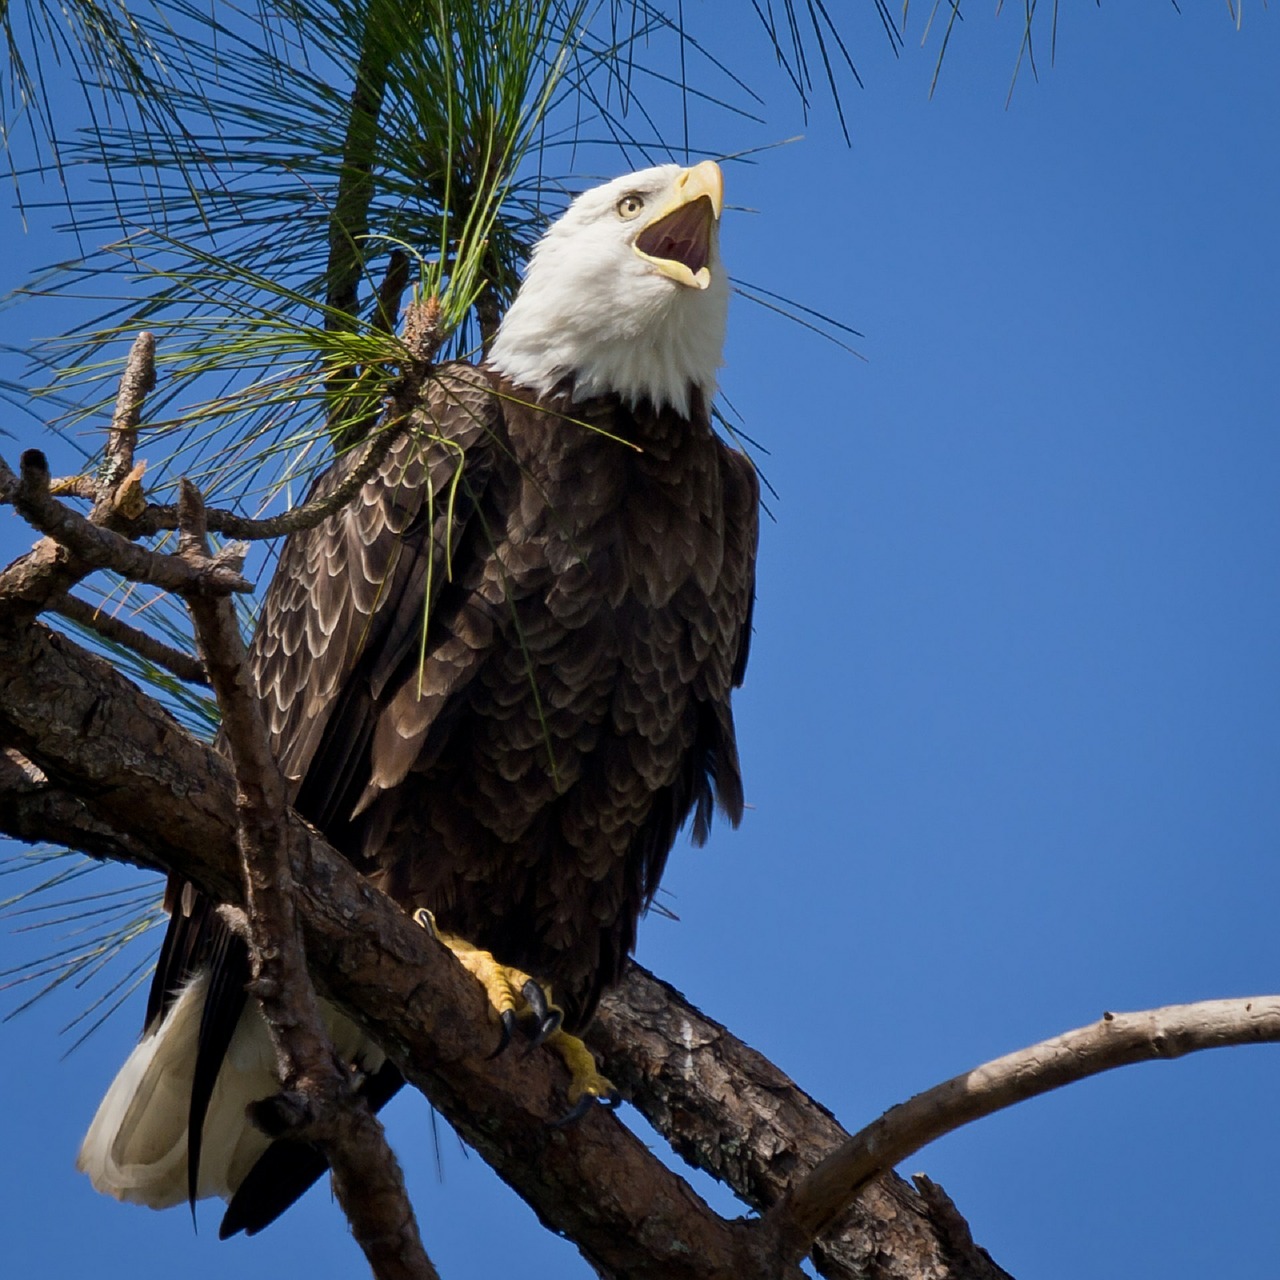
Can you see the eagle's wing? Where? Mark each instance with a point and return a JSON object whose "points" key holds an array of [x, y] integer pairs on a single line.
{"points": [[358, 593], [353, 593]]}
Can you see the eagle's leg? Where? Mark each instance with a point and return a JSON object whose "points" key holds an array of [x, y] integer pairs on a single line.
{"points": [[512, 992], [587, 1085]]}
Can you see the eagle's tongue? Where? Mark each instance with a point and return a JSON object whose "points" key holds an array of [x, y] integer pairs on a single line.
{"points": [[684, 235]]}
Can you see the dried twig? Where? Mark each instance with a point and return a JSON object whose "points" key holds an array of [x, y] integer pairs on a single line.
{"points": [[52, 566], [138, 379], [183, 665], [158, 517], [1116, 1040], [93, 547], [318, 1104]]}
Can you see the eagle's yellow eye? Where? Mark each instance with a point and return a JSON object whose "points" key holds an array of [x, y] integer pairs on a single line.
{"points": [[630, 205]]}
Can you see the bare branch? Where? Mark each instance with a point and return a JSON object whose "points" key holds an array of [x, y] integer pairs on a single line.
{"points": [[159, 518], [82, 486], [93, 547], [138, 379], [38, 811], [322, 1106], [1116, 1040], [183, 665], [52, 566], [48, 569]]}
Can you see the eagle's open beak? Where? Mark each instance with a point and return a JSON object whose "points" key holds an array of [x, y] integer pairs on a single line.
{"points": [[678, 240]]}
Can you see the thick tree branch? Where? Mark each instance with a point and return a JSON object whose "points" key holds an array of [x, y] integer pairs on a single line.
{"points": [[322, 1106], [1115, 1040], [37, 811], [98, 736], [727, 1109]]}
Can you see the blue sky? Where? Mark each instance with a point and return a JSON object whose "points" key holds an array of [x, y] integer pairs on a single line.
{"points": [[1011, 729]]}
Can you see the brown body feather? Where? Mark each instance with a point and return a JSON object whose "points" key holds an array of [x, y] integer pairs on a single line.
{"points": [[500, 681]]}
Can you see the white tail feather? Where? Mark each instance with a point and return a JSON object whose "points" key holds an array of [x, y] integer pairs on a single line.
{"points": [[136, 1147]]}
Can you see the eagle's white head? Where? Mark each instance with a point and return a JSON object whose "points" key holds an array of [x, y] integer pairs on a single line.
{"points": [[625, 293]]}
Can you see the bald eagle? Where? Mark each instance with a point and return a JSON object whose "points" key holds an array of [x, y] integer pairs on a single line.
{"points": [[498, 681]]}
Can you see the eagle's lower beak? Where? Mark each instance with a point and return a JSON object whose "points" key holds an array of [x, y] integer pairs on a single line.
{"points": [[678, 240]]}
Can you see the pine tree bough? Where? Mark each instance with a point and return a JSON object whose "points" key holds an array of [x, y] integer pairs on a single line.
{"points": [[118, 763]]}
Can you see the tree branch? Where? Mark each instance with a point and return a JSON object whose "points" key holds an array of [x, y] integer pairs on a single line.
{"points": [[37, 811], [136, 769], [132, 767], [183, 665], [1115, 1040], [322, 1105], [92, 546], [52, 567], [158, 517], [728, 1110], [137, 381]]}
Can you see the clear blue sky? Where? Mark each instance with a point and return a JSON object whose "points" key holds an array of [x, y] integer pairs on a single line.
{"points": [[1011, 729]]}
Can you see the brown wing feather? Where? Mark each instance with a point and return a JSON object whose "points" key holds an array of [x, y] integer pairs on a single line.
{"points": [[356, 586]]}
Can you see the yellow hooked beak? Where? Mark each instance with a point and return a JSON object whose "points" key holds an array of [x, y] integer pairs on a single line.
{"points": [[678, 240]]}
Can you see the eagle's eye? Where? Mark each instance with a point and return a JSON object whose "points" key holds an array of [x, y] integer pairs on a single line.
{"points": [[630, 205]]}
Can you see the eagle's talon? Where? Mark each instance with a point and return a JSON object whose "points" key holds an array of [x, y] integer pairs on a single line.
{"points": [[536, 999], [548, 1017], [508, 1022], [426, 919], [575, 1112], [610, 1099], [549, 1026]]}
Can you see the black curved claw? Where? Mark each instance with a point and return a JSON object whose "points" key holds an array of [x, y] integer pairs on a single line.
{"points": [[575, 1113], [536, 999], [508, 1020], [547, 1017], [580, 1108]]}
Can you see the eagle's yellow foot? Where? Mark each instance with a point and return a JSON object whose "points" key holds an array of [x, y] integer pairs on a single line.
{"points": [[587, 1085], [511, 991]]}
